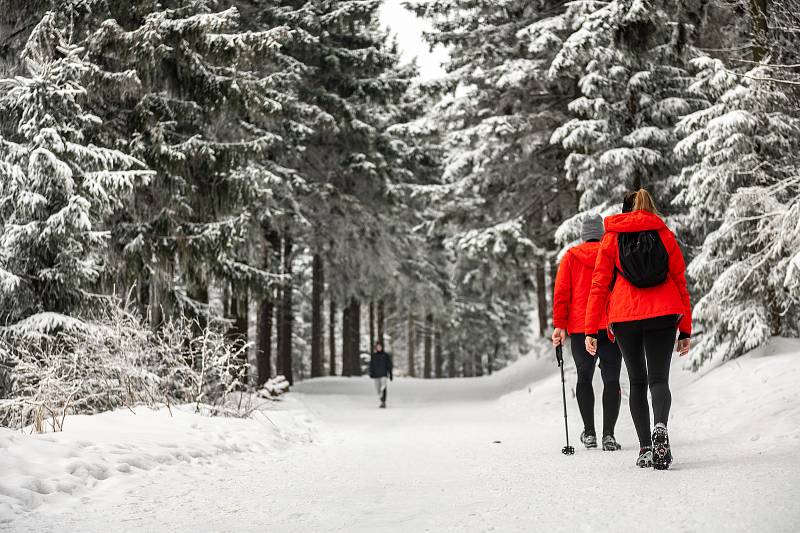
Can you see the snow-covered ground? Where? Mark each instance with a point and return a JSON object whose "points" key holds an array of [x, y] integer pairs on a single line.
{"points": [[479, 454]]}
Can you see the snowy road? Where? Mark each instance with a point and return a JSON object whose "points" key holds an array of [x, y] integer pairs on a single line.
{"points": [[430, 463]]}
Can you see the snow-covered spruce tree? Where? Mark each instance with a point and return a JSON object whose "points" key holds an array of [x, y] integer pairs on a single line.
{"points": [[742, 193], [276, 218], [18, 19], [505, 195], [57, 189], [351, 161], [631, 56], [210, 116], [492, 292], [420, 296], [419, 281]]}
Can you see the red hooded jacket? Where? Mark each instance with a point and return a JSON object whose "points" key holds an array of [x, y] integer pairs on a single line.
{"points": [[627, 302], [573, 281]]}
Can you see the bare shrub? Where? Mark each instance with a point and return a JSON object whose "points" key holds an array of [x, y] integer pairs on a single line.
{"points": [[115, 361]]}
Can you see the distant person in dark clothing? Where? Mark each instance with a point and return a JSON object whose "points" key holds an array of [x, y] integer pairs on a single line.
{"points": [[380, 368]]}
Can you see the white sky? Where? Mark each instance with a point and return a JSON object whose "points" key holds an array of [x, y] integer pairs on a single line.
{"points": [[408, 29]]}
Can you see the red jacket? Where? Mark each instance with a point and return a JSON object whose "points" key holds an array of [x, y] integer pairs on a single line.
{"points": [[628, 302], [573, 281]]}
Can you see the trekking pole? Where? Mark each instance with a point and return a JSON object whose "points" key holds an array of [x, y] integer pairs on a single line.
{"points": [[566, 450]]}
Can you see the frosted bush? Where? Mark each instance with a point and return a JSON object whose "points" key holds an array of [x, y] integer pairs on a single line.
{"points": [[115, 361]]}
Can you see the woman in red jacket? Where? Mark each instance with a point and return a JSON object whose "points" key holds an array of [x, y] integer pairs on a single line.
{"points": [[572, 286], [639, 284]]}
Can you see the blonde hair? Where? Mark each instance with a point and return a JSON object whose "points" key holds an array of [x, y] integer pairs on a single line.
{"points": [[644, 202]]}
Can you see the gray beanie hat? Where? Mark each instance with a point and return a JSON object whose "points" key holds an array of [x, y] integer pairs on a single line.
{"points": [[592, 228]]}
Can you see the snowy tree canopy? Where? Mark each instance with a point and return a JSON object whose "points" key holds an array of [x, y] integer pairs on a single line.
{"points": [[57, 189], [273, 168]]}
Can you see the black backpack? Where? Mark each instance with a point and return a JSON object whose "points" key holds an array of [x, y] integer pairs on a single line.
{"points": [[643, 259]]}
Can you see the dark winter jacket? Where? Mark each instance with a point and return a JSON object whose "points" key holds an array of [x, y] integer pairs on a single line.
{"points": [[380, 365]]}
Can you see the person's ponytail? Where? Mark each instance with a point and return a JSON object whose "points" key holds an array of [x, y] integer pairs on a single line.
{"points": [[642, 201]]}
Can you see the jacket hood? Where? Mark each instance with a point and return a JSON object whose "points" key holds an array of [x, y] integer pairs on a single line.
{"points": [[586, 253], [634, 221]]}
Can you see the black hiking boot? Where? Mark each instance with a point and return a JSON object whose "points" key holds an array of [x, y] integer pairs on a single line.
{"points": [[645, 459], [589, 440], [383, 405], [662, 455], [610, 444]]}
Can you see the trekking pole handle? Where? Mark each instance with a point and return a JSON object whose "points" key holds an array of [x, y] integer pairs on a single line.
{"points": [[559, 356]]}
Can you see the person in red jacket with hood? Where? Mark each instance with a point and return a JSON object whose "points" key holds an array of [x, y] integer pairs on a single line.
{"points": [[571, 294], [643, 319]]}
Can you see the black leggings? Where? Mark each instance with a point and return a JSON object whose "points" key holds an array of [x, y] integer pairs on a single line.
{"points": [[610, 366], [647, 347]]}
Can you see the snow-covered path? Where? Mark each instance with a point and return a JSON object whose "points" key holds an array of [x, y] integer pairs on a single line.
{"points": [[472, 455]]}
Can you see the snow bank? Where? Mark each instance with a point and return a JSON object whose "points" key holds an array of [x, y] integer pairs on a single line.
{"points": [[749, 403], [53, 468], [474, 454], [752, 401]]}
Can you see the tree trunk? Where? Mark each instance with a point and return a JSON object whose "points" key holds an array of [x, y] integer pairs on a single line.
{"points": [[287, 313], [278, 310], [478, 364], [372, 327], [355, 346], [451, 362], [265, 340], [257, 255], [541, 297], [226, 299], [437, 353], [317, 286], [381, 321], [493, 357], [775, 314], [758, 14], [266, 312], [467, 366], [412, 339], [142, 293], [351, 339], [161, 292], [332, 337], [238, 311], [347, 340], [278, 257], [428, 345]]}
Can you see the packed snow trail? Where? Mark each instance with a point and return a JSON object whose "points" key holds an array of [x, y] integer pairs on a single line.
{"points": [[481, 455]]}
